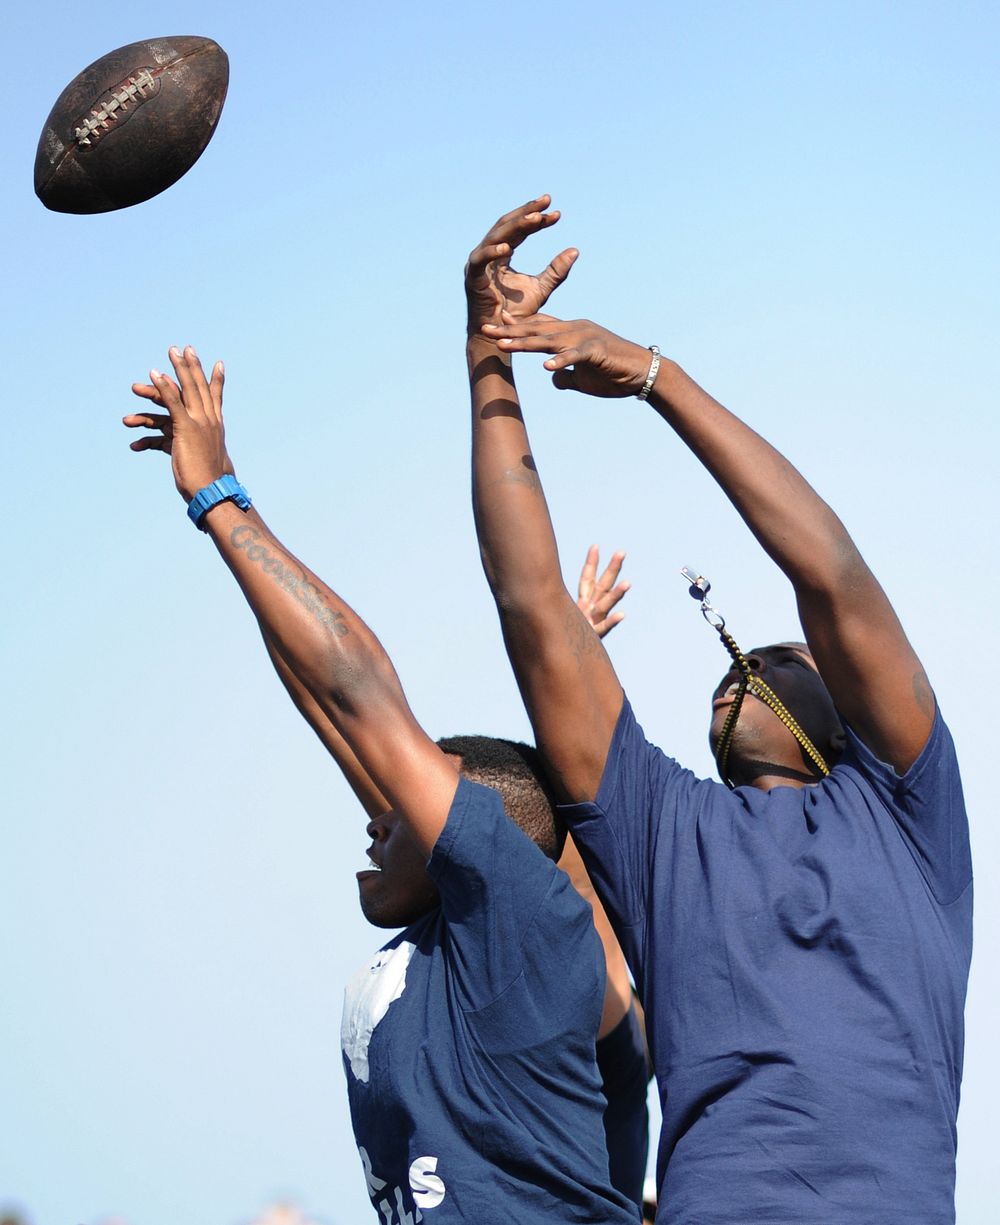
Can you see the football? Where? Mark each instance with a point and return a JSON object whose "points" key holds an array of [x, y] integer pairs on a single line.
{"points": [[131, 124]]}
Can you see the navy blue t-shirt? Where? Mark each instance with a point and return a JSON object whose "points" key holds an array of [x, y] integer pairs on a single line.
{"points": [[802, 956], [469, 1042]]}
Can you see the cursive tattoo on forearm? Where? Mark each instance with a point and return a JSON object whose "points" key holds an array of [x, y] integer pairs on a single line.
{"points": [[299, 586]]}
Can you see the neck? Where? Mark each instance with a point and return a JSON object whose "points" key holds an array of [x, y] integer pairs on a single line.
{"points": [[767, 774]]}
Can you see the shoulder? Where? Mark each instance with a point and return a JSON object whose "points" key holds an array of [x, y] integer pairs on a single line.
{"points": [[639, 775], [478, 830], [926, 803], [936, 766]]}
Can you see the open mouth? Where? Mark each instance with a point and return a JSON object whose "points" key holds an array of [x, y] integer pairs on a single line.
{"points": [[727, 696], [373, 869]]}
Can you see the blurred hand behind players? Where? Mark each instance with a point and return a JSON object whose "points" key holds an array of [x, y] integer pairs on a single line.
{"points": [[598, 596], [492, 285], [586, 357], [191, 431]]}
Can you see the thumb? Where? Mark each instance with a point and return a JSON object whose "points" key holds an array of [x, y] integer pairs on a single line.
{"points": [[558, 270], [565, 380]]}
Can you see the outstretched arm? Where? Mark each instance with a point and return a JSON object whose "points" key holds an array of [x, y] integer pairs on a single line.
{"points": [[558, 660], [598, 600], [855, 637], [325, 644]]}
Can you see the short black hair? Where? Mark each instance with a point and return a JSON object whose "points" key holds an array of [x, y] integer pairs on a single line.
{"points": [[515, 770]]}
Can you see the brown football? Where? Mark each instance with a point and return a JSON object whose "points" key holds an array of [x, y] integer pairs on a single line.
{"points": [[131, 124]]}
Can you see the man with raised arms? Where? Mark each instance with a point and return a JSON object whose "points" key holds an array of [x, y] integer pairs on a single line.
{"points": [[469, 1038], [801, 938]]}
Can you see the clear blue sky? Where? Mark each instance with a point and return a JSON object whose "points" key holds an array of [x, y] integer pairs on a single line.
{"points": [[796, 201]]}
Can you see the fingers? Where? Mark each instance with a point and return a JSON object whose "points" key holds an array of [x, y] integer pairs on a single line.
{"points": [[610, 575], [510, 230], [557, 271], [152, 442], [565, 380], [215, 387], [147, 392], [194, 386], [531, 325], [168, 394], [485, 254], [604, 627], [588, 574], [603, 605], [598, 596], [541, 343], [146, 421], [150, 421]]}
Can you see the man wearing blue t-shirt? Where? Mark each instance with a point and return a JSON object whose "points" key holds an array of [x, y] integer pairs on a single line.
{"points": [[469, 1039], [801, 938]]}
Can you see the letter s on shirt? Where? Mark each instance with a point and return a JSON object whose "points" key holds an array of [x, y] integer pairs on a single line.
{"points": [[428, 1190]]}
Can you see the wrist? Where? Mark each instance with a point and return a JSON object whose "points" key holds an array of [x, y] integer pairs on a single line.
{"points": [[475, 339], [225, 488], [668, 386]]}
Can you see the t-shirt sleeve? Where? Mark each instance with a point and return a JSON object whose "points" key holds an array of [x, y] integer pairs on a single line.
{"points": [[927, 805], [645, 803], [496, 886]]}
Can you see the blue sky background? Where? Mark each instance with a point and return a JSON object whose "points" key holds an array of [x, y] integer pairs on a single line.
{"points": [[796, 201]]}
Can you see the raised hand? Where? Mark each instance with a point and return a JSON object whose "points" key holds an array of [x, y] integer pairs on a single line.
{"points": [[191, 431], [598, 596], [492, 286], [586, 357]]}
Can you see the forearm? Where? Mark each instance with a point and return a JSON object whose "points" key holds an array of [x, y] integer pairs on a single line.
{"points": [[558, 659], [790, 520], [516, 540], [332, 653], [371, 798]]}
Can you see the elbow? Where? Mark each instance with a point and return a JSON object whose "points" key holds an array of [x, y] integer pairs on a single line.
{"points": [[523, 590]]}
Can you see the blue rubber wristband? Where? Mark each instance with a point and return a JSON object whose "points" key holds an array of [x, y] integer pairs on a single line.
{"points": [[226, 489]]}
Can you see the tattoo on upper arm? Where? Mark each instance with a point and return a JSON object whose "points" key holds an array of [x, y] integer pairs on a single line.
{"points": [[300, 586], [923, 693], [580, 635]]}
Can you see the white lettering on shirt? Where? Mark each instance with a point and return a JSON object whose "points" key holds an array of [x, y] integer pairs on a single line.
{"points": [[428, 1190]]}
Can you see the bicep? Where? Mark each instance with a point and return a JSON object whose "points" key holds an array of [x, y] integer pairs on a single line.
{"points": [[570, 690], [867, 663], [360, 781]]}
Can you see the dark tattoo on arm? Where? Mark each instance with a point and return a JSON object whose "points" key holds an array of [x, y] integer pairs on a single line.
{"points": [[923, 693], [300, 586], [581, 635]]}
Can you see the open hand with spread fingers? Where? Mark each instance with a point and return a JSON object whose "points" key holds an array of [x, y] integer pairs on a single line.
{"points": [[493, 286], [598, 596], [191, 430], [586, 357]]}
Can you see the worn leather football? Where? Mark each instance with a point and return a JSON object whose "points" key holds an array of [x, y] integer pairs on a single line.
{"points": [[131, 124]]}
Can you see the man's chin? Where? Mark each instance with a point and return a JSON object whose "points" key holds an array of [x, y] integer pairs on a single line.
{"points": [[387, 913]]}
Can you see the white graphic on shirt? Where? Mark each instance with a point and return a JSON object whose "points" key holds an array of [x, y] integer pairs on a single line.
{"points": [[427, 1189], [367, 999]]}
